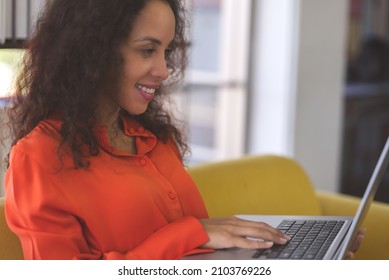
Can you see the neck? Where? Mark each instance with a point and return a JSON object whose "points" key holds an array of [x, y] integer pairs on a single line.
{"points": [[111, 120], [109, 112], [109, 116]]}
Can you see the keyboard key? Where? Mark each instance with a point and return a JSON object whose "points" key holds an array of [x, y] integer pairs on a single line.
{"points": [[309, 240]]}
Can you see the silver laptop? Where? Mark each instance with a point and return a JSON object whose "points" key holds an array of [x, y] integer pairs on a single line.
{"points": [[313, 237]]}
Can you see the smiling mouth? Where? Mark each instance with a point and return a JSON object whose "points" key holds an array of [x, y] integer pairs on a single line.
{"points": [[147, 92], [146, 89]]}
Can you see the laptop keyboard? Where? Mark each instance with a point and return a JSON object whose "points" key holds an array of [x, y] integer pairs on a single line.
{"points": [[309, 240]]}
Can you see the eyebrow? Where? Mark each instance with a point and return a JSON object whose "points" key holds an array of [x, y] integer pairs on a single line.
{"points": [[147, 38], [150, 39]]}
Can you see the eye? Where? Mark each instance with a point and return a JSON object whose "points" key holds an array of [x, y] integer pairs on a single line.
{"points": [[148, 52]]}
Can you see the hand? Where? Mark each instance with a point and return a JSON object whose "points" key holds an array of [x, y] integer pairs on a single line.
{"points": [[357, 242], [233, 232]]}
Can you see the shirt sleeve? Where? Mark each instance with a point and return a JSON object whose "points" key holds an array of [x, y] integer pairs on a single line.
{"points": [[173, 241], [41, 215]]}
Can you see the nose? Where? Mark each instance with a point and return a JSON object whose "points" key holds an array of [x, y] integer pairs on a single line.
{"points": [[160, 69]]}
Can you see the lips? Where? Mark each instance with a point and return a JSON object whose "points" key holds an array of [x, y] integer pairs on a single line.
{"points": [[146, 91]]}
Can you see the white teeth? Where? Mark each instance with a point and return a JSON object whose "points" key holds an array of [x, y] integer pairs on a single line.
{"points": [[145, 89]]}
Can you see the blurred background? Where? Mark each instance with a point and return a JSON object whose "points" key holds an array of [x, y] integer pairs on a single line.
{"points": [[308, 79]]}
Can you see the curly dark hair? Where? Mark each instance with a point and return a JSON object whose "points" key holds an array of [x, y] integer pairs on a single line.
{"points": [[73, 56]]}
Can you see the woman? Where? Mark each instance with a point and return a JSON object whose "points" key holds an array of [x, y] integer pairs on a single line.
{"points": [[95, 170]]}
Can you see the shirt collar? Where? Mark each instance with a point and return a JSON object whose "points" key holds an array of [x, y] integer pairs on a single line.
{"points": [[145, 140]]}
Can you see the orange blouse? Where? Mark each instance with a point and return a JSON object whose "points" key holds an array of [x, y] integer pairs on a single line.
{"points": [[143, 206]]}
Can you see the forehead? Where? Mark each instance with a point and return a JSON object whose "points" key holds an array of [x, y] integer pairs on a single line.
{"points": [[155, 20]]}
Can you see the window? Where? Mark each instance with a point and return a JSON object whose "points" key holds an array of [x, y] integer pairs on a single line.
{"points": [[17, 19], [9, 65], [213, 100]]}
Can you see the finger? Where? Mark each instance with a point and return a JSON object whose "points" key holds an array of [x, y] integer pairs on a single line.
{"points": [[357, 242], [362, 231], [259, 234], [242, 242], [349, 255], [260, 226], [258, 230]]}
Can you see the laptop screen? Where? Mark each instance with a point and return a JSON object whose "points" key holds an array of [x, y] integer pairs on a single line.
{"points": [[366, 201]]}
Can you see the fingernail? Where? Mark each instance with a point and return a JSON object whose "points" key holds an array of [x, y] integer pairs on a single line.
{"points": [[269, 243], [283, 240]]}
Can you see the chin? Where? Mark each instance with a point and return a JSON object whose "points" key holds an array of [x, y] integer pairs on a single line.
{"points": [[135, 112]]}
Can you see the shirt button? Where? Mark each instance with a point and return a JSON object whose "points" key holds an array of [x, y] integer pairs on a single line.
{"points": [[141, 129], [132, 130], [172, 195], [142, 162]]}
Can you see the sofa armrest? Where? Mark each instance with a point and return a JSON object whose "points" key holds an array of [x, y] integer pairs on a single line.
{"points": [[376, 242], [10, 247]]}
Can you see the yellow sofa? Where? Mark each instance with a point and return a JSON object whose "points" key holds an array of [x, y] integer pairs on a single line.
{"points": [[261, 185], [10, 248], [278, 185]]}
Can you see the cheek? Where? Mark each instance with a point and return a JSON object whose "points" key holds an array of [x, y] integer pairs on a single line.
{"points": [[135, 68], [128, 73], [128, 80]]}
